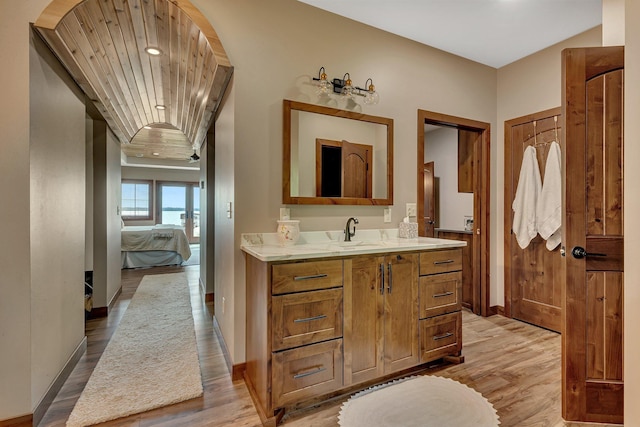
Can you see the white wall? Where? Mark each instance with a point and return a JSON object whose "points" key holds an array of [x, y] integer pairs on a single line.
{"points": [[276, 49], [225, 257], [57, 218], [631, 213], [526, 86], [441, 147], [15, 281], [107, 263], [88, 215]]}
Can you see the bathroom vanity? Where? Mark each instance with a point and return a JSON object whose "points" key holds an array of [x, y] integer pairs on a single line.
{"points": [[327, 317]]}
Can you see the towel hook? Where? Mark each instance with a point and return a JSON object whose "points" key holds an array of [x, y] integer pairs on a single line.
{"points": [[535, 134], [555, 127]]}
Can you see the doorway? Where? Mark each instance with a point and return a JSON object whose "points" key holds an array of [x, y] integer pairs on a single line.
{"points": [[179, 204], [473, 177]]}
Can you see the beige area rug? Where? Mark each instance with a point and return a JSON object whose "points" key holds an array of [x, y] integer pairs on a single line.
{"points": [[419, 401], [151, 359]]}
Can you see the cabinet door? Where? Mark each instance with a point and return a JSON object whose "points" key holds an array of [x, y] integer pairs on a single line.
{"points": [[363, 320], [400, 312]]}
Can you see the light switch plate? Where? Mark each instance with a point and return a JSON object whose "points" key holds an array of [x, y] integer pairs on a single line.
{"points": [[387, 214], [411, 209], [285, 214]]}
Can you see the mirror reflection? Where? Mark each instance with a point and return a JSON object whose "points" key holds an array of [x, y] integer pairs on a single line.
{"points": [[335, 156]]}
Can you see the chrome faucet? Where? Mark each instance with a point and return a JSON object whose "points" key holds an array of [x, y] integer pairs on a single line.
{"points": [[347, 230]]}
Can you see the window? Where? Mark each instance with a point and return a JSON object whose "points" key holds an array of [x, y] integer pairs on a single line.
{"points": [[137, 201]]}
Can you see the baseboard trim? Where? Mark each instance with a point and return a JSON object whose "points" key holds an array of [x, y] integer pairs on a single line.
{"points": [[236, 371], [496, 309], [57, 384], [100, 312], [223, 345], [23, 421]]}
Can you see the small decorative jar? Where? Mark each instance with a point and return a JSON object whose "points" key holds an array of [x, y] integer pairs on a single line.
{"points": [[288, 231]]}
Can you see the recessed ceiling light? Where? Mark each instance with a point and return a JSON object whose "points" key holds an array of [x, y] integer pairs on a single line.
{"points": [[156, 154], [154, 51], [160, 107], [147, 127], [139, 155]]}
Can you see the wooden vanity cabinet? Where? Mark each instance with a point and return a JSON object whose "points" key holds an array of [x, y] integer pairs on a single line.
{"points": [[317, 327], [381, 316], [440, 294]]}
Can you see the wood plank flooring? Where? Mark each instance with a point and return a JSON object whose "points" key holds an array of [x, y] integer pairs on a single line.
{"points": [[516, 366]]}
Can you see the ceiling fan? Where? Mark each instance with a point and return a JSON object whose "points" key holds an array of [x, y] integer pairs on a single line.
{"points": [[194, 157]]}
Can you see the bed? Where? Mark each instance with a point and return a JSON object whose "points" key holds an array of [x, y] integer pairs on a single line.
{"points": [[151, 246]]}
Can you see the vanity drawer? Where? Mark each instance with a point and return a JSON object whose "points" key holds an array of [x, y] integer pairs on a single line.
{"points": [[306, 372], [307, 317], [433, 262], [440, 336], [440, 294], [305, 276]]}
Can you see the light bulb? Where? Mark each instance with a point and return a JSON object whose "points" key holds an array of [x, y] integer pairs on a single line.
{"points": [[323, 86], [371, 97], [347, 89]]}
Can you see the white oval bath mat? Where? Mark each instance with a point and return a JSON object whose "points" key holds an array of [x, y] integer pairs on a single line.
{"points": [[419, 401]]}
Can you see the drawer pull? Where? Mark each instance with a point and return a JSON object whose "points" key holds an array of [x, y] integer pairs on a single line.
{"points": [[313, 276], [309, 319], [444, 294], [448, 261], [443, 336], [306, 374]]}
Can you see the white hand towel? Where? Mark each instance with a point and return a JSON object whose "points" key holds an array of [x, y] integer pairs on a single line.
{"points": [[526, 199], [549, 209]]}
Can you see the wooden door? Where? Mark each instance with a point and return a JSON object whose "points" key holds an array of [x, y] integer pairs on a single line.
{"points": [[467, 140], [357, 170], [401, 312], [533, 275], [592, 350], [429, 200], [363, 320]]}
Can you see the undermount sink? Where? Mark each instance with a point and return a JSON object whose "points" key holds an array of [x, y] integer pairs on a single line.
{"points": [[358, 244], [350, 243]]}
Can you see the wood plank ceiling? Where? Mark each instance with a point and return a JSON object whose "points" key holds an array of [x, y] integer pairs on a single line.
{"points": [[102, 44]]}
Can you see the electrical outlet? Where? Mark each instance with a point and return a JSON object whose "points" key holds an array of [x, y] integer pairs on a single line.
{"points": [[387, 214], [229, 210], [411, 209], [222, 305]]}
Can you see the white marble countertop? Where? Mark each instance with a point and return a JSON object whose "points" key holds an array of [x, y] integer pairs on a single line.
{"points": [[323, 244]]}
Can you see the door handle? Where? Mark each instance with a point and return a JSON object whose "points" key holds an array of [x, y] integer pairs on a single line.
{"points": [[579, 252]]}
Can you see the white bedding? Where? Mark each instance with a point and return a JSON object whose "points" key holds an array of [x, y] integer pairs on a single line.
{"points": [[161, 237]]}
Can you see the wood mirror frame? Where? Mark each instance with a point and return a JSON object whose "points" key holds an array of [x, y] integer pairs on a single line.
{"points": [[289, 109]]}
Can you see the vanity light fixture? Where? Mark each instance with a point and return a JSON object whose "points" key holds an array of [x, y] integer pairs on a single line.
{"points": [[345, 88], [323, 86], [371, 97]]}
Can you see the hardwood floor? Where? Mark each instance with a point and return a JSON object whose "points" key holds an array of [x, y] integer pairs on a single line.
{"points": [[514, 365]]}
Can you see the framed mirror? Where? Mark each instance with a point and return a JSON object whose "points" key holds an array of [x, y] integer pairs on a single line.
{"points": [[335, 157]]}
